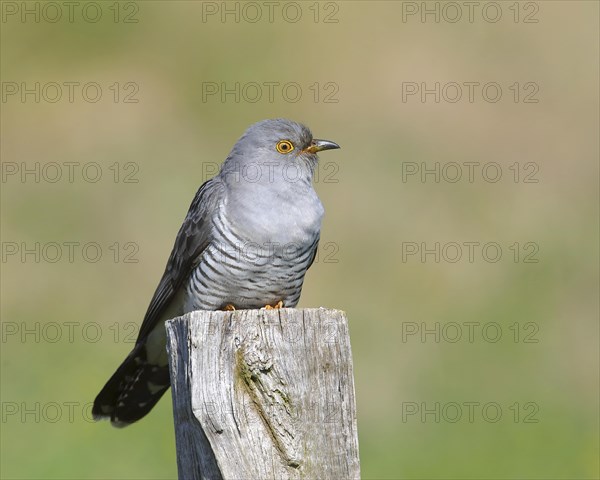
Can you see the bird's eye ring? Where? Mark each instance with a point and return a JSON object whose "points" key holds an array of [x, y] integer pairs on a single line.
{"points": [[284, 146]]}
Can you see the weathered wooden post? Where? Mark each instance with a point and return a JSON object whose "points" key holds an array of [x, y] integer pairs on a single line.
{"points": [[263, 394]]}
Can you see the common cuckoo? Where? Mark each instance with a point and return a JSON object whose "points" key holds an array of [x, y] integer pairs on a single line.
{"points": [[249, 237]]}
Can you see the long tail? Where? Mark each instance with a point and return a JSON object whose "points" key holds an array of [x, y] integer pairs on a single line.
{"points": [[133, 390]]}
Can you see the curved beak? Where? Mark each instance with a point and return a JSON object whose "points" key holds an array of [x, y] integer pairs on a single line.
{"points": [[319, 145]]}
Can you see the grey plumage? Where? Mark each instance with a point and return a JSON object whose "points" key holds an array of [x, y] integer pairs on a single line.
{"points": [[247, 240]]}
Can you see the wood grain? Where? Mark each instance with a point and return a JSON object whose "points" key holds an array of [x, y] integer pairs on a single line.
{"points": [[263, 394]]}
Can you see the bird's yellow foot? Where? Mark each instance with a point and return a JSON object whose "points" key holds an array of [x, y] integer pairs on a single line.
{"points": [[229, 308], [279, 304]]}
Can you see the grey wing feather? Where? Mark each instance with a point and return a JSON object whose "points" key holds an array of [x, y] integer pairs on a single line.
{"points": [[314, 252], [193, 237]]}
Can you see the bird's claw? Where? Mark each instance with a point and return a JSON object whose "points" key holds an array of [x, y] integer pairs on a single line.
{"points": [[278, 305]]}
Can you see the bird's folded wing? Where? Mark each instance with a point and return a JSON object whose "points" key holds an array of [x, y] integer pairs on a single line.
{"points": [[194, 236]]}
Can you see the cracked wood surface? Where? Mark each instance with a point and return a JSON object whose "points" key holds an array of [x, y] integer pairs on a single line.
{"points": [[263, 394]]}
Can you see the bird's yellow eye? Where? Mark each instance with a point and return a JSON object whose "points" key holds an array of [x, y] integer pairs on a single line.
{"points": [[284, 146]]}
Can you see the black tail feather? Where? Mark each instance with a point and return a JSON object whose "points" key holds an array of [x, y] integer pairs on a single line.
{"points": [[133, 390]]}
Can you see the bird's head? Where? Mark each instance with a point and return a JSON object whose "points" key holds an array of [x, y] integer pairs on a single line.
{"points": [[275, 148]]}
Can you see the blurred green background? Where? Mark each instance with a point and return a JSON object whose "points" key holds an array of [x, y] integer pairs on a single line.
{"points": [[175, 137]]}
